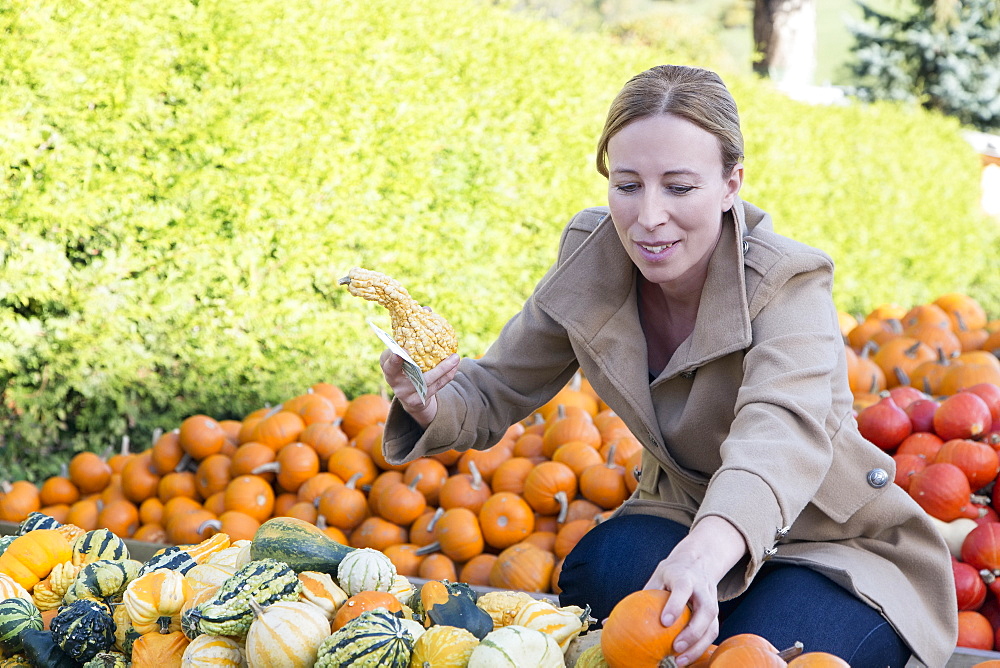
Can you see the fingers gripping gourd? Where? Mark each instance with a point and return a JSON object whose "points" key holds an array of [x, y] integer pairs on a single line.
{"points": [[427, 336]]}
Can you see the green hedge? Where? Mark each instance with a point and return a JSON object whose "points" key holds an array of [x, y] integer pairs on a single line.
{"points": [[184, 182]]}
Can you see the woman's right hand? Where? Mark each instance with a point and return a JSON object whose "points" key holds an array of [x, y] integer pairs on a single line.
{"points": [[421, 411]]}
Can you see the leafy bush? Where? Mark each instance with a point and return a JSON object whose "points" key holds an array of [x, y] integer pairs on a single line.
{"points": [[184, 183]]}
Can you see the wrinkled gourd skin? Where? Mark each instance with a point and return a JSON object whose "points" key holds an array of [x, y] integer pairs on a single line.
{"points": [[427, 336]]}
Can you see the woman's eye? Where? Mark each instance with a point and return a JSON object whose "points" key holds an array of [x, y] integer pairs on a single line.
{"points": [[680, 190], [627, 187]]}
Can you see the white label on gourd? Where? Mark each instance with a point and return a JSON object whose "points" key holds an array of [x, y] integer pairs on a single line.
{"points": [[410, 368]]}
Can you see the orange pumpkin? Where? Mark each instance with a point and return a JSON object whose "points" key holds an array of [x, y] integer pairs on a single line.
{"points": [[89, 472], [362, 602], [634, 637], [201, 436]]}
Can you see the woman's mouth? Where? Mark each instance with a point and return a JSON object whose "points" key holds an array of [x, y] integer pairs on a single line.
{"points": [[656, 249]]}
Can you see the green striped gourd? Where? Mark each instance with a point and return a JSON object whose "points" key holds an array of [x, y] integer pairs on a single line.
{"points": [[172, 558], [104, 580], [17, 614], [83, 628], [96, 545], [5, 541], [374, 638], [228, 613], [37, 520]]}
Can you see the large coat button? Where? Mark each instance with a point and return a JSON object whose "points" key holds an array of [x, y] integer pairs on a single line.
{"points": [[878, 478]]}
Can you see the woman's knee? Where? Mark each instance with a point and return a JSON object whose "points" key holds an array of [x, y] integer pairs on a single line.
{"points": [[614, 559]]}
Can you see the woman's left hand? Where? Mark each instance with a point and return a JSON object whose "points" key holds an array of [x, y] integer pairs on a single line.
{"points": [[691, 573]]}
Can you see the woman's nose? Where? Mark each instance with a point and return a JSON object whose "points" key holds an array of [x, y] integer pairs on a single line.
{"points": [[652, 212]]}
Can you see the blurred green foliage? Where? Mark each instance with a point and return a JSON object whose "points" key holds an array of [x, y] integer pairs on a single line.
{"points": [[183, 182]]}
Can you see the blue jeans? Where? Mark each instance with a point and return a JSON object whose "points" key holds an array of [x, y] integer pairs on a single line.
{"points": [[784, 603]]}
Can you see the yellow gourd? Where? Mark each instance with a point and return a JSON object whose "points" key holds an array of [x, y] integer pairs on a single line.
{"points": [[154, 601], [443, 647], [425, 335], [31, 557]]}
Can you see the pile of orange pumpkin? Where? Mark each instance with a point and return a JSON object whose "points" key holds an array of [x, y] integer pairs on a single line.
{"points": [[318, 457]]}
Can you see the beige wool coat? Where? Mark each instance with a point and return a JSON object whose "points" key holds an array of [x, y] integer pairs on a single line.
{"points": [[751, 420]]}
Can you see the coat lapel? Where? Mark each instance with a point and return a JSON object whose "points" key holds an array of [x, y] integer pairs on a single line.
{"points": [[723, 322], [593, 295]]}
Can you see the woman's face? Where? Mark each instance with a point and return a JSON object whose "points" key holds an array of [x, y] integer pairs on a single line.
{"points": [[667, 195]]}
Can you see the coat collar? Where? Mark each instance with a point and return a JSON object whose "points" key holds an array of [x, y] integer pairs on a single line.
{"points": [[592, 294]]}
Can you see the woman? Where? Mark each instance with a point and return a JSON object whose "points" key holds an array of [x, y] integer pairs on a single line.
{"points": [[717, 342]]}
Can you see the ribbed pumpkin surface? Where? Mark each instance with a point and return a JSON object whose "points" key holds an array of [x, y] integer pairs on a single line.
{"points": [[373, 639], [17, 614], [228, 612], [102, 580], [96, 545], [172, 558], [83, 628]]}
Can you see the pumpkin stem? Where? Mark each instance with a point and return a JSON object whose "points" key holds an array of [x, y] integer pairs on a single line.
{"points": [[961, 323], [560, 412], [124, 450], [164, 623], [668, 662], [156, 434], [428, 549], [477, 478], [576, 382], [209, 524], [868, 349], [353, 480], [791, 652], [912, 350], [611, 455], [927, 386], [187, 463], [874, 387], [276, 409], [416, 481], [5, 486], [270, 467], [901, 375], [979, 500], [437, 515], [255, 606], [560, 496]]}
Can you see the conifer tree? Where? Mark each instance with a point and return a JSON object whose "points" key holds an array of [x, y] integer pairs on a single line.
{"points": [[945, 55]]}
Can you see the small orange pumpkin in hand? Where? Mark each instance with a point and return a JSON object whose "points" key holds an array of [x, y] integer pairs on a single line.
{"points": [[634, 637]]}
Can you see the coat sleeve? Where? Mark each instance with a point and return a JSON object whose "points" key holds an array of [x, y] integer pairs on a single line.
{"points": [[778, 450], [530, 361]]}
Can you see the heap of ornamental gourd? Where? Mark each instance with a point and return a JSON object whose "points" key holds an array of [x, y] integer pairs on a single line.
{"points": [[293, 597]]}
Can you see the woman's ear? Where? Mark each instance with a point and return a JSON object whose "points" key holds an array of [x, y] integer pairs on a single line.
{"points": [[733, 184]]}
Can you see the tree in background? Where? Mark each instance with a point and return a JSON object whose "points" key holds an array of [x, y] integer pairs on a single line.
{"points": [[944, 54], [784, 37]]}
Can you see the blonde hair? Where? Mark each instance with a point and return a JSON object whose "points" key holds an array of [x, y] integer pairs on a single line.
{"points": [[693, 93]]}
